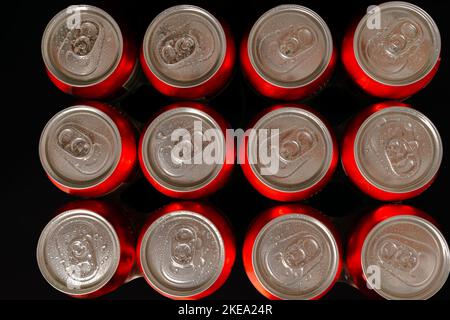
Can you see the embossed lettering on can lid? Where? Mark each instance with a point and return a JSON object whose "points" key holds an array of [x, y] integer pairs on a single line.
{"points": [[179, 129], [290, 46], [182, 254], [184, 46], [295, 256], [398, 149], [82, 45], [411, 256], [305, 149], [405, 48], [80, 147], [78, 252]]}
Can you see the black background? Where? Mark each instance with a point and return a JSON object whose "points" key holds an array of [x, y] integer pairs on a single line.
{"points": [[29, 99]]}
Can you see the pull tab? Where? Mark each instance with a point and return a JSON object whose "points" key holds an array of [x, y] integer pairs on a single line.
{"points": [[391, 49], [85, 151], [80, 51], [287, 48]]}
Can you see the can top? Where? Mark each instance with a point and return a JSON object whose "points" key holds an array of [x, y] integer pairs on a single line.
{"points": [[398, 150], [82, 45], [184, 46], [397, 43], [80, 147], [78, 252], [295, 256], [183, 149], [182, 254], [290, 46], [305, 148], [410, 255]]}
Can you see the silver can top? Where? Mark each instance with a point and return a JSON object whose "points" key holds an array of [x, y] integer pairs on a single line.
{"points": [[295, 257], [80, 147], [182, 254], [397, 43], [78, 252], [184, 46], [410, 255], [398, 150], [305, 148], [82, 45], [290, 46], [183, 149]]}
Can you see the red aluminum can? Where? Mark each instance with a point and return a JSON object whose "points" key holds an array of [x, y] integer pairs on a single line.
{"points": [[398, 252], [288, 54], [187, 53], [88, 149], [180, 167], [391, 151], [186, 250], [307, 153], [87, 250], [86, 54], [292, 252], [393, 51]]}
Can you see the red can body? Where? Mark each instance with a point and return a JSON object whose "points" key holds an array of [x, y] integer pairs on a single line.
{"points": [[223, 227], [274, 91], [127, 164], [262, 220], [279, 195], [222, 177], [350, 165], [125, 236]]}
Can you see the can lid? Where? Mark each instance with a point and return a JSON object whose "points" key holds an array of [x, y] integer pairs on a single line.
{"points": [[78, 252], [398, 150], [402, 49], [182, 254], [184, 46], [80, 147], [290, 46], [82, 45], [296, 257], [183, 149], [410, 255], [305, 149]]}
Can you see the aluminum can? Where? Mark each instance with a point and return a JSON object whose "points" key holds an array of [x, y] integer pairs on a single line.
{"points": [[288, 53], [187, 53], [183, 151], [391, 151], [86, 54], [292, 252], [307, 153], [87, 249], [397, 252], [393, 51], [89, 149], [186, 250]]}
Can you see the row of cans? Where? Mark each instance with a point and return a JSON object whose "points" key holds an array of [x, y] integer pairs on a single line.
{"points": [[390, 151], [186, 250], [392, 52]]}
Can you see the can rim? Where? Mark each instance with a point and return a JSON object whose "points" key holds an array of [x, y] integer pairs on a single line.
{"points": [[43, 146], [435, 33], [46, 39], [40, 256], [328, 235], [435, 233], [434, 136], [328, 44], [158, 286], [154, 125], [176, 10], [326, 134]]}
